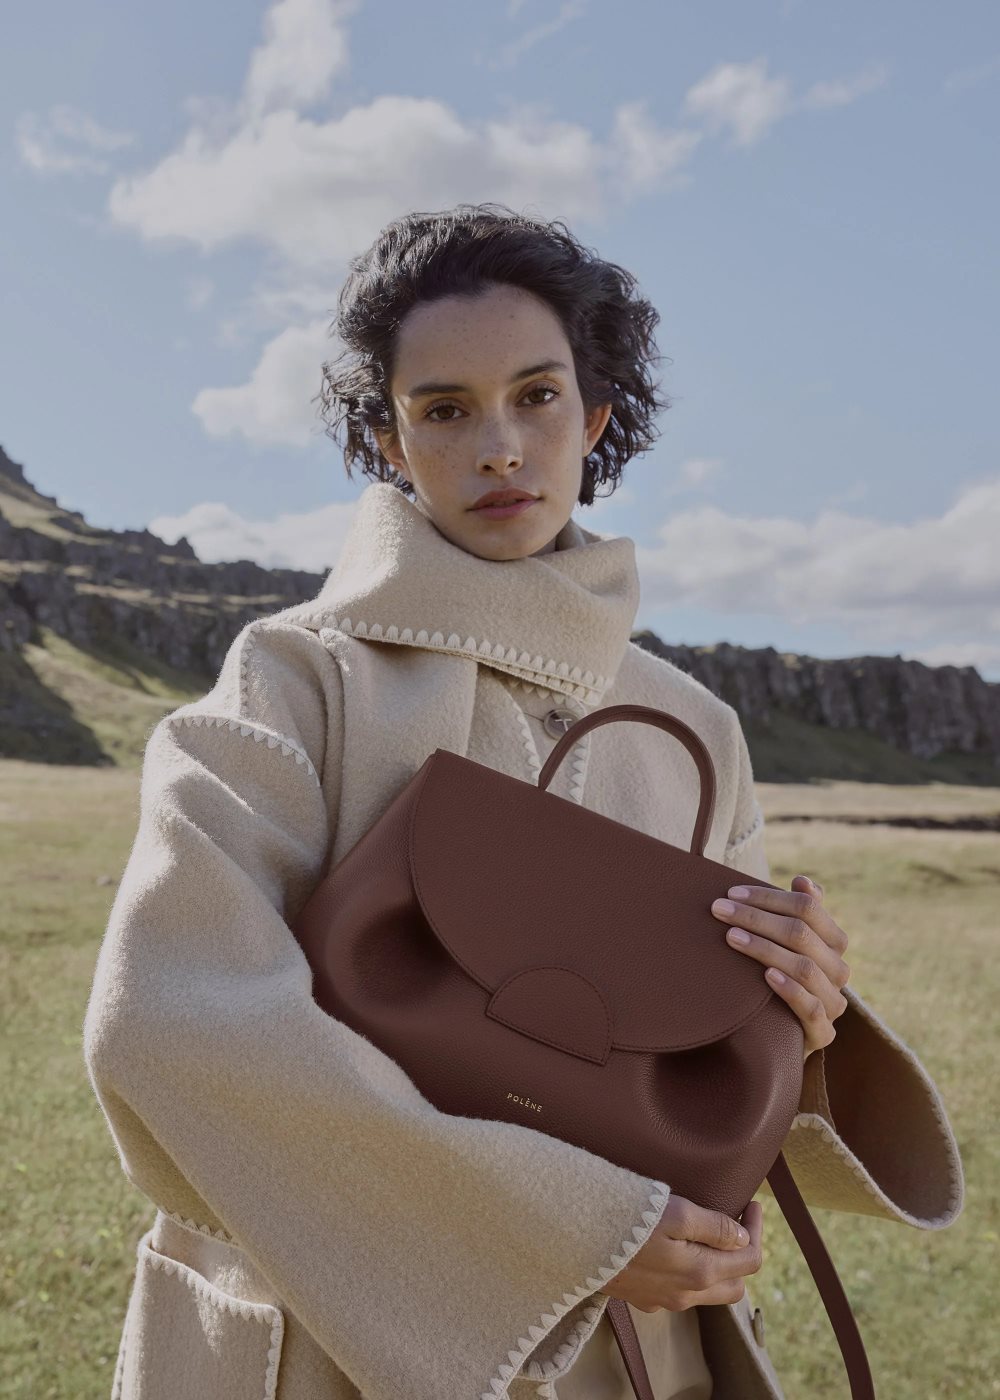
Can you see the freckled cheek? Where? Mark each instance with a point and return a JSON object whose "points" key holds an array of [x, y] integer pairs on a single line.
{"points": [[552, 435]]}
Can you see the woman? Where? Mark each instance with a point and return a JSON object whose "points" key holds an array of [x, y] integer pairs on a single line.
{"points": [[321, 1231]]}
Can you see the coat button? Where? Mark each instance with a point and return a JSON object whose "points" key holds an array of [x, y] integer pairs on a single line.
{"points": [[557, 721], [758, 1326]]}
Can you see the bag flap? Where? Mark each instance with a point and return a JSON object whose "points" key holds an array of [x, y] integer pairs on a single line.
{"points": [[512, 877]]}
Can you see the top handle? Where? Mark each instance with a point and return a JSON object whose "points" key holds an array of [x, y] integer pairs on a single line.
{"points": [[646, 714]]}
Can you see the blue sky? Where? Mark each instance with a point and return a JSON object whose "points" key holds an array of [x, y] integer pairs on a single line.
{"points": [[801, 189]]}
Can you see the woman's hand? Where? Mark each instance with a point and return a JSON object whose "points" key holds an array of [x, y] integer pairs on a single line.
{"points": [[800, 944], [693, 1257]]}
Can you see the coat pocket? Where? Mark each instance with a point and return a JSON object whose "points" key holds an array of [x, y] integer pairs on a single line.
{"points": [[184, 1336]]}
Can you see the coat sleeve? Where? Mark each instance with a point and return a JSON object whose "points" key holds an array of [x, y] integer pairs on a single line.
{"points": [[872, 1135], [430, 1255]]}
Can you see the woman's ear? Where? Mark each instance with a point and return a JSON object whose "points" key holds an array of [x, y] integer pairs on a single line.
{"points": [[393, 454], [597, 421], [388, 445]]}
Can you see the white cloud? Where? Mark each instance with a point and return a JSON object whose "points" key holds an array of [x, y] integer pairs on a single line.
{"points": [[929, 589], [934, 581], [304, 49], [317, 192], [42, 145], [984, 655], [273, 407], [199, 292], [301, 540], [742, 97], [843, 90], [963, 78], [695, 471], [314, 192], [509, 53], [650, 156]]}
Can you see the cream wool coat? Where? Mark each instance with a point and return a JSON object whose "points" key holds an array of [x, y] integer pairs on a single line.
{"points": [[322, 1232]]}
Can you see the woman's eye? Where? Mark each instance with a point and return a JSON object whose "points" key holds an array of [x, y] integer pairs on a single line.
{"points": [[537, 389]]}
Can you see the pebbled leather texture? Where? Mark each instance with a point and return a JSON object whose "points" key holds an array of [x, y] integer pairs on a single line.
{"points": [[526, 959]]}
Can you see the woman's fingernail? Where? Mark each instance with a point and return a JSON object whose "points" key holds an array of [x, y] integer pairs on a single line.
{"points": [[736, 935]]}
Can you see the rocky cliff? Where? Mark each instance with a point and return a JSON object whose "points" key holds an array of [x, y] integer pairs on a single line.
{"points": [[921, 710], [127, 592]]}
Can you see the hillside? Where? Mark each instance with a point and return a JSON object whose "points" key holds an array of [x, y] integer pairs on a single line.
{"points": [[103, 631]]}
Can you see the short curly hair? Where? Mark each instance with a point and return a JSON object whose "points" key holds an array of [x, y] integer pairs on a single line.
{"points": [[463, 251]]}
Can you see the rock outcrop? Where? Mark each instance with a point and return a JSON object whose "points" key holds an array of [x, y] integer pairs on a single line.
{"points": [[90, 585], [922, 710]]}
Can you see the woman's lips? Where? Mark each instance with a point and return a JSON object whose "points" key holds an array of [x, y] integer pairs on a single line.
{"points": [[501, 512]]}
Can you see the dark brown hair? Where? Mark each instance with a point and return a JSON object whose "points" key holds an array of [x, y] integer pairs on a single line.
{"points": [[463, 251]]}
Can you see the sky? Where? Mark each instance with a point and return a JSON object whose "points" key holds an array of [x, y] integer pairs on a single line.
{"points": [[802, 190]]}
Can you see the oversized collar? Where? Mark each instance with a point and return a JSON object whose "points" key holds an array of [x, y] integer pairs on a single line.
{"points": [[561, 620]]}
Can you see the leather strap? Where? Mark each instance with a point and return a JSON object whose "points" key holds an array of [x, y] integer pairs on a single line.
{"points": [[645, 714], [628, 1344], [825, 1276], [786, 1193]]}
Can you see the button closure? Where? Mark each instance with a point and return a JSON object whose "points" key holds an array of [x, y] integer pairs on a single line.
{"points": [[557, 721], [758, 1326]]}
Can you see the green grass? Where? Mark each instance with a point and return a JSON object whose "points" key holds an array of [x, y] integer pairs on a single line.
{"points": [[789, 748], [95, 705], [920, 908]]}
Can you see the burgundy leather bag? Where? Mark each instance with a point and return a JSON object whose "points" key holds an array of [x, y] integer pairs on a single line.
{"points": [[579, 985]]}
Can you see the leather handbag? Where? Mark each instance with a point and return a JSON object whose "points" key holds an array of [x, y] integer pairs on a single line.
{"points": [[580, 985]]}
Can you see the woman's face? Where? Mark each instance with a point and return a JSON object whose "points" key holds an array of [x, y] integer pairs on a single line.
{"points": [[488, 425]]}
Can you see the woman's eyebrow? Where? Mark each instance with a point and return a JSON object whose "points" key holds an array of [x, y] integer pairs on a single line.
{"points": [[432, 387]]}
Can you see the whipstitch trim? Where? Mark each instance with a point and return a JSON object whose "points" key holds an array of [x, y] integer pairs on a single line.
{"points": [[814, 1122], [576, 759], [250, 730], [934, 1100], [535, 1370], [223, 1235], [570, 679], [247, 636], [734, 847], [119, 1375], [532, 689], [225, 1302]]}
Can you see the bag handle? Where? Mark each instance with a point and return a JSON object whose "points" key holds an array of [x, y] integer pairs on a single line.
{"points": [[646, 714], [821, 1266], [780, 1179]]}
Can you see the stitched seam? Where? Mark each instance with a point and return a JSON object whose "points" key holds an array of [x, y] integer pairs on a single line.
{"points": [[931, 1093], [250, 730], [580, 766], [274, 1354], [530, 747], [518, 684], [119, 1376], [226, 1302], [212, 1293], [244, 660], [199, 1229], [570, 679], [735, 846], [500, 1382], [812, 1122], [578, 758]]}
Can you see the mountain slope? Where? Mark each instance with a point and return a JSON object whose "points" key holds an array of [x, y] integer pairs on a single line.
{"points": [[104, 631]]}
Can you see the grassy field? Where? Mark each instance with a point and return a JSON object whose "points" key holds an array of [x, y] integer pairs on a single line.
{"points": [[921, 908]]}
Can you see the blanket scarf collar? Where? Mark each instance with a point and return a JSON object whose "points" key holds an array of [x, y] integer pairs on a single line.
{"points": [[560, 620]]}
